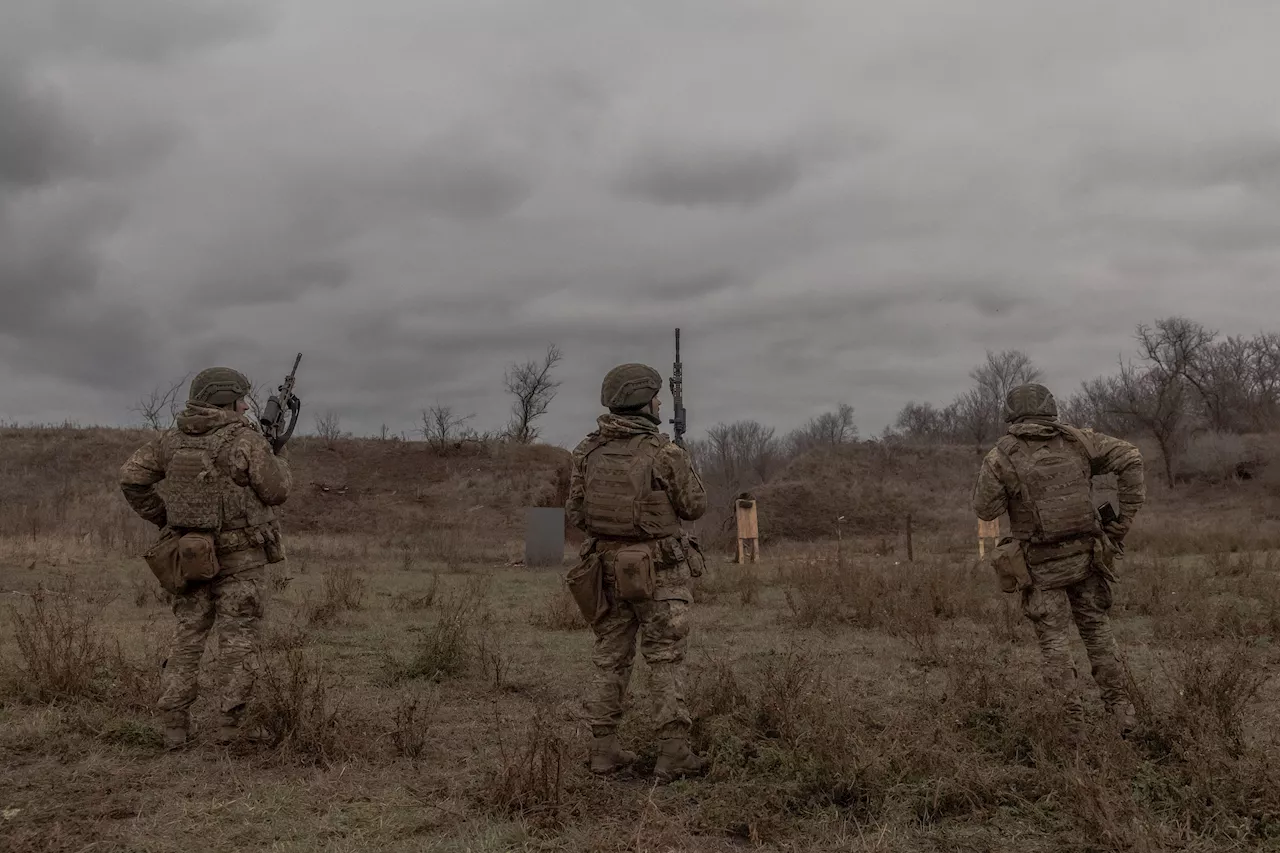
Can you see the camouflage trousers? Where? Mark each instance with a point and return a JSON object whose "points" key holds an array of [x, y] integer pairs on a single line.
{"points": [[1087, 603], [235, 604], [662, 627]]}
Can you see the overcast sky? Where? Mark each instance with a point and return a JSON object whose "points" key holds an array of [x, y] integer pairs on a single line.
{"points": [[836, 200]]}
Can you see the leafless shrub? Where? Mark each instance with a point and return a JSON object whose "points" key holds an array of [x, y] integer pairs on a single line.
{"points": [[529, 780], [62, 648], [296, 707], [558, 613], [342, 590], [413, 718], [443, 649]]}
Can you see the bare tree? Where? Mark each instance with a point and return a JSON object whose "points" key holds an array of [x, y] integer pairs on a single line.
{"points": [[926, 422], [972, 412], [441, 427], [159, 407], [830, 429], [1159, 395], [1093, 406], [998, 375], [534, 389], [740, 454], [329, 427]]}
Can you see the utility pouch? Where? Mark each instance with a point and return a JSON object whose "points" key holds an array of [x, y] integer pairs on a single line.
{"points": [[197, 557], [272, 545], [586, 585], [1010, 565], [693, 553], [633, 573]]}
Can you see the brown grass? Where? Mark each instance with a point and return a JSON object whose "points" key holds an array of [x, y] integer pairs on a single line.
{"points": [[851, 701]]}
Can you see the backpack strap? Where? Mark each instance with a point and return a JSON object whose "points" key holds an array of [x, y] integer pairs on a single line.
{"points": [[1083, 440]]}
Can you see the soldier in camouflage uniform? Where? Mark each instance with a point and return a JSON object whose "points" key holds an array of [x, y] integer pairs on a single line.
{"points": [[1041, 474], [221, 477], [630, 488]]}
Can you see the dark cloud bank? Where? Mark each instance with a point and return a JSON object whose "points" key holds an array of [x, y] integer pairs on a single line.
{"points": [[836, 201]]}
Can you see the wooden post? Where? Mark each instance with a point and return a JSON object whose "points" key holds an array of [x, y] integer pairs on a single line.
{"points": [[840, 542], [748, 530], [911, 557], [987, 530]]}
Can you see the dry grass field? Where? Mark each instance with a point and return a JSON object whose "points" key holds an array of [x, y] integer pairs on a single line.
{"points": [[421, 691]]}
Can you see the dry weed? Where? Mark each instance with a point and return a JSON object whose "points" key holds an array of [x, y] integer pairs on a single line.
{"points": [[529, 779], [63, 651], [343, 590], [295, 706], [413, 717], [443, 649], [558, 613]]}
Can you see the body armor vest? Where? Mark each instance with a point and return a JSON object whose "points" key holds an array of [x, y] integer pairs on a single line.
{"points": [[1053, 509], [620, 498], [201, 494]]}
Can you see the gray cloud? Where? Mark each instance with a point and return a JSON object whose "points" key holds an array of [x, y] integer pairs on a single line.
{"points": [[713, 177], [833, 203]]}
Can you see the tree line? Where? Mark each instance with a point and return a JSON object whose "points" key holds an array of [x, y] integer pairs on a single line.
{"points": [[1182, 380]]}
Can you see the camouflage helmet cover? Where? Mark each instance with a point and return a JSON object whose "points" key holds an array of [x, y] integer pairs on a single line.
{"points": [[629, 386], [218, 386], [1031, 400]]}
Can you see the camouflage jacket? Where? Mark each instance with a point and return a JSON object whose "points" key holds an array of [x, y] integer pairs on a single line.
{"points": [[672, 467], [265, 478], [997, 491]]}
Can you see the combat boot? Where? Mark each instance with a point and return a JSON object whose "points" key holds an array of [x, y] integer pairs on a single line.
{"points": [[1126, 718], [676, 760], [607, 756], [228, 729], [177, 729]]}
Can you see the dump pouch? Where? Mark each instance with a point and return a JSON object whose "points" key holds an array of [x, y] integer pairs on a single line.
{"points": [[634, 573], [162, 559], [197, 557], [586, 585], [1010, 565]]}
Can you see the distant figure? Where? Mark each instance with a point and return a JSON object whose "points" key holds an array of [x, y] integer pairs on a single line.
{"points": [[222, 481], [1041, 474], [630, 488]]}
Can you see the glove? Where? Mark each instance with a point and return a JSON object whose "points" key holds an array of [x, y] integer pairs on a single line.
{"points": [[1116, 530]]}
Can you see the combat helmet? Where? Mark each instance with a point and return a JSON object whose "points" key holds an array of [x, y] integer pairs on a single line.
{"points": [[1031, 400], [218, 386], [629, 387]]}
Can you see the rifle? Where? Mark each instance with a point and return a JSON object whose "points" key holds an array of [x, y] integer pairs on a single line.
{"points": [[272, 418], [680, 419]]}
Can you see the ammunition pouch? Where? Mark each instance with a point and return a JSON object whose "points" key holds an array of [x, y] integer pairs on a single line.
{"points": [[693, 553], [272, 545]]}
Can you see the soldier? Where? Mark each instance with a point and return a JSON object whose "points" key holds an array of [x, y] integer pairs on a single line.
{"points": [[630, 488], [221, 477], [1041, 473]]}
